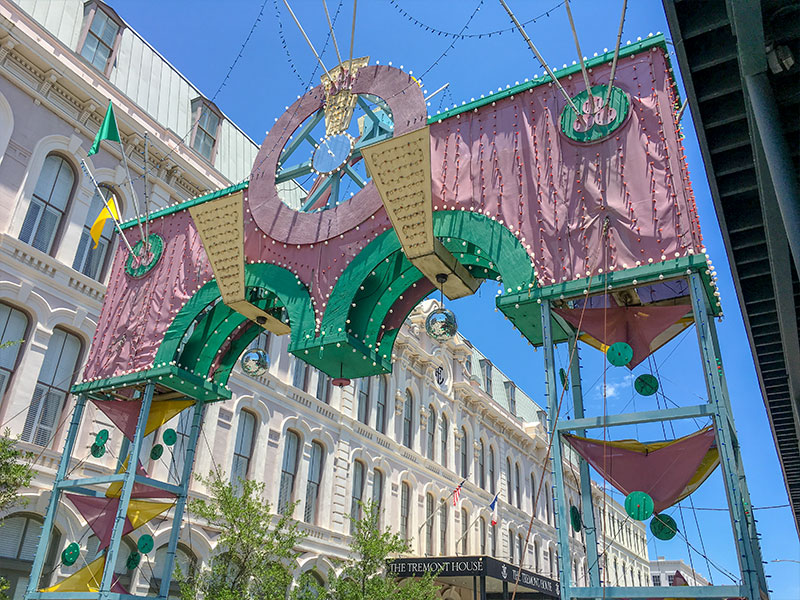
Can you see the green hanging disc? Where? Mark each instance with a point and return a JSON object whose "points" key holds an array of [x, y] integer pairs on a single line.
{"points": [[156, 451], [564, 379], [663, 527], [646, 384], [619, 354], [70, 554], [639, 506], [98, 450], [169, 436], [145, 543], [133, 560], [575, 517], [101, 437]]}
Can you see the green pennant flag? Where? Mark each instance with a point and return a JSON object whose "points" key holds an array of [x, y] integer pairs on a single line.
{"points": [[108, 131]]}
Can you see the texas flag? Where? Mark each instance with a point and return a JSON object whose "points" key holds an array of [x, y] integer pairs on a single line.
{"points": [[493, 506]]}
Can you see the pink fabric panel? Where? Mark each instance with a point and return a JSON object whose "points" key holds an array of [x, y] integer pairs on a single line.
{"points": [[662, 473], [137, 312], [123, 414], [635, 325], [511, 162], [99, 513]]}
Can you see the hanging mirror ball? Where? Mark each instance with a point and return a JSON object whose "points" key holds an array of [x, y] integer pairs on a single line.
{"points": [[255, 362], [133, 560], [619, 354], [646, 384], [441, 324], [170, 437], [98, 450], [156, 451], [70, 554], [101, 437], [575, 518], [663, 527], [639, 506]]}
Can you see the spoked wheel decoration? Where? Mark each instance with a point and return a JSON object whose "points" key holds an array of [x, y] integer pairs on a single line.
{"points": [[310, 164], [321, 166]]}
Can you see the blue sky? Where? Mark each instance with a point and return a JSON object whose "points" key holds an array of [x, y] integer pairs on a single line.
{"points": [[202, 39]]}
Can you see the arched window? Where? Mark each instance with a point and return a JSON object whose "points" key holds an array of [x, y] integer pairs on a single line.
{"points": [[49, 203], [323, 387], [464, 536], [243, 448], [18, 542], [533, 493], [408, 412], [288, 470], [122, 574], [314, 480], [553, 561], [310, 585], [13, 327], [491, 471], [464, 454], [405, 503], [483, 536], [517, 485], [443, 435], [510, 546], [429, 524], [363, 400], [91, 259], [520, 548], [443, 529], [55, 378], [431, 431], [358, 494], [184, 557], [547, 504], [300, 377], [380, 406], [377, 489], [509, 481], [493, 540], [482, 465], [537, 550]]}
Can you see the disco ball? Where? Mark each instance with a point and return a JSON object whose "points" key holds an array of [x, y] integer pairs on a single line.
{"points": [[441, 324], [255, 362]]}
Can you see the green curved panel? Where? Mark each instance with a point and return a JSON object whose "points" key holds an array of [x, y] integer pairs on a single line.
{"points": [[291, 292], [238, 346], [183, 320], [204, 329]]}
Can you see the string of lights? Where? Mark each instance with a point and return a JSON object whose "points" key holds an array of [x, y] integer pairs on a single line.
{"points": [[461, 35]]}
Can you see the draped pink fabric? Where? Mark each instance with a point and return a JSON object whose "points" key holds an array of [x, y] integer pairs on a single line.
{"points": [[99, 513], [664, 473], [638, 326]]}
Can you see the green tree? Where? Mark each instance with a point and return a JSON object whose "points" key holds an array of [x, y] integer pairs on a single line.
{"points": [[255, 552], [16, 472], [365, 577]]}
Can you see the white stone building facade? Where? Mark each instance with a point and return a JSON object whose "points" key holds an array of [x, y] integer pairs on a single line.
{"points": [[407, 439]]}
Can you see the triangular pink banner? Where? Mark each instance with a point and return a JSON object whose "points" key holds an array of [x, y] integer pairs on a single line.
{"points": [[123, 413], [99, 514]]}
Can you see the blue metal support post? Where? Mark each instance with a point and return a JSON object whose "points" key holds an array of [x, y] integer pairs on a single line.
{"points": [[55, 495], [747, 544], [177, 517], [587, 514], [558, 466], [125, 495]]}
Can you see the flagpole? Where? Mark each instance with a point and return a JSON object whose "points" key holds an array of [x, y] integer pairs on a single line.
{"points": [[444, 500], [145, 243], [458, 541], [108, 208], [146, 198]]}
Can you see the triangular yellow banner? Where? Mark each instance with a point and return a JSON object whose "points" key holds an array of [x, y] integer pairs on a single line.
{"points": [[86, 579], [142, 511], [162, 411]]}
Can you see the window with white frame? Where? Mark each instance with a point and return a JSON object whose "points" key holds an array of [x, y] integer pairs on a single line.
{"points": [[381, 403], [357, 495], [288, 470], [243, 447], [377, 490], [98, 45], [362, 407], [408, 412], [511, 395], [58, 371], [482, 465], [431, 431], [18, 548], [429, 524], [314, 480], [13, 325], [443, 435], [323, 387], [517, 485], [464, 536], [91, 259], [483, 535], [493, 540], [405, 502], [464, 454], [443, 529], [510, 546], [300, 376], [206, 129], [491, 471], [49, 203], [509, 482], [486, 366]]}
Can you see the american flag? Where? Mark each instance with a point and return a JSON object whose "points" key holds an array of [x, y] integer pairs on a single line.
{"points": [[457, 492]]}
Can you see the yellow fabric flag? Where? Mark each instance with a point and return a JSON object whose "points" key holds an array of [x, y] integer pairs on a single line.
{"points": [[86, 579], [162, 411], [100, 222], [142, 511]]}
